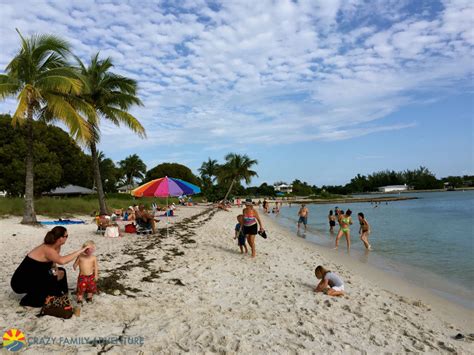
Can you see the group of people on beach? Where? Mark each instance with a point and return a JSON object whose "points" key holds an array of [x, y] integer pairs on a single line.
{"points": [[344, 220], [249, 224], [39, 276]]}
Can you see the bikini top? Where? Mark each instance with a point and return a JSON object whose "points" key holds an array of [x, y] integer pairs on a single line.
{"points": [[346, 220], [249, 220]]}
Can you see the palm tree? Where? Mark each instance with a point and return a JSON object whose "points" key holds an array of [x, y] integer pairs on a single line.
{"points": [[209, 170], [111, 96], [236, 168], [132, 167], [39, 76]]}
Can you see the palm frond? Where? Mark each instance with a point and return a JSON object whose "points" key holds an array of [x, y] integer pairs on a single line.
{"points": [[59, 83], [20, 114], [62, 110], [8, 86], [118, 116]]}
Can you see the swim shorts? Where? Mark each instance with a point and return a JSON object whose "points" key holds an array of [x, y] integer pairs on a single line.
{"points": [[251, 230], [303, 220], [86, 284], [332, 223], [241, 238]]}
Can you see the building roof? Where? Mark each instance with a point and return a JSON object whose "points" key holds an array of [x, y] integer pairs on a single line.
{"points": [[71, 190]]}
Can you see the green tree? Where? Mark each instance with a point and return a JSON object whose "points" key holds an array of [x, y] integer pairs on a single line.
{"points": [[132, 167], [111, 96], [173, 170], [39, 76], [237, 168], [58, 160], [208, 171]]}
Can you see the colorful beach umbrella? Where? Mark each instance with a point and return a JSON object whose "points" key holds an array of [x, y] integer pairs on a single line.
{"points": [[165, 187]]}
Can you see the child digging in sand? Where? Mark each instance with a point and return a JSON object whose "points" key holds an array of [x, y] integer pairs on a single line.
{"points": [[88, 272], [239, 234], [330, 284]]}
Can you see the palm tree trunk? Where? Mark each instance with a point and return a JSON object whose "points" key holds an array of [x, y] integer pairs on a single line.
{"points": [[230, 189], [29, 215], [98, 180]]}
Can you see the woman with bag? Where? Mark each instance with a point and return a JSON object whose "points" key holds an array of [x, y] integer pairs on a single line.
{"points": [[252, 222], [38, 276]]}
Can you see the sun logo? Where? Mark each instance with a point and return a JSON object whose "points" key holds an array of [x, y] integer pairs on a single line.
{"points": [[14, 339]]}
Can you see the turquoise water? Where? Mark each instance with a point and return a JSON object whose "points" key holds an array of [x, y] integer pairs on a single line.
{"points": [[430, 238]]}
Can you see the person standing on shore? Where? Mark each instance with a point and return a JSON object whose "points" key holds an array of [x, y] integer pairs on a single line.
{"points": [[339, 215], [345, 222], [303, 216], [332, 221], [364, 230], [251, 228]]}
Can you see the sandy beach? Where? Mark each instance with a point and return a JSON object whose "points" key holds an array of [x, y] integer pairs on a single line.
{"points": [[192, 291]]}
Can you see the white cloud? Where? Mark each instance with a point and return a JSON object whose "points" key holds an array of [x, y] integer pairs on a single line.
{"points": [[305, 70]]}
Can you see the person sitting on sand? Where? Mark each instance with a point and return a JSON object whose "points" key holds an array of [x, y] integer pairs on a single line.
{"points": [[146, 217], [330, 284], [239, 234], [221, 205], [345, 223], [364, 230], [38, 276], [88, 272]]}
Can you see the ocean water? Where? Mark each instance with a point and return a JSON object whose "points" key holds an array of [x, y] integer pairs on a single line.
{"points": [[429, 241]]}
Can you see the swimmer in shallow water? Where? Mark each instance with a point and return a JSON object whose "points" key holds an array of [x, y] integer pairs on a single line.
{"points": [[364, 230], [345, 221]]}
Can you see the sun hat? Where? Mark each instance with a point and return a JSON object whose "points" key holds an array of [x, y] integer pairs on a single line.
{"points": [[248, 201]]}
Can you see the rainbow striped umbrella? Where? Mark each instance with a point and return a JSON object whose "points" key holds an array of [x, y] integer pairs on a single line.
{"points": [[165, 187]]}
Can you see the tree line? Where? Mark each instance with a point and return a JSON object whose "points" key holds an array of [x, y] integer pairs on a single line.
{"points": [[50, 84]]}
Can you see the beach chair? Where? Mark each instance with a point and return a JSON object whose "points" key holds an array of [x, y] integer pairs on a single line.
{"points": [[143, 227]]}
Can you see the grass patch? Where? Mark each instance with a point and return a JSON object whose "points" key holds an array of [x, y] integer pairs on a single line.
{"points": [[57, 207]]}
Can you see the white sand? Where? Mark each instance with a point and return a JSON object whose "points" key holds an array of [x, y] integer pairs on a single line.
{"points": [[213, 299]]}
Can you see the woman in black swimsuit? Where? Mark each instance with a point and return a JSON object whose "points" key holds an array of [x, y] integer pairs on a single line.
{"points": [[38, 276], [332, 221]]}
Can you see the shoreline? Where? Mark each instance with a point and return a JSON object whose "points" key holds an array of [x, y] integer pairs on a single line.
{"points": [[192, 291], [454, 292], [388, 280], [347, 200]]}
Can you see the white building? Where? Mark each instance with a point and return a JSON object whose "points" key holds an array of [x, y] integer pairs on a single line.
{"points": [[126, 189], [393, 188], [285, 188]]}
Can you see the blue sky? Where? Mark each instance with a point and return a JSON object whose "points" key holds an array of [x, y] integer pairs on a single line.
{"points": [[315, 90]]}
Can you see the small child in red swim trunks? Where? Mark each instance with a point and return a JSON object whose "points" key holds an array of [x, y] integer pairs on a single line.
{"points": [[88, 272]]}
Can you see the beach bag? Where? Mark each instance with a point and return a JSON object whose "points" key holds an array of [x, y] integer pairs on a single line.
{"points": [[112, 232], [130, 228], [57, 306]]}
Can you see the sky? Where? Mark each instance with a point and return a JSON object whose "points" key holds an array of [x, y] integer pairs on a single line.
{"points": [[313, 90]]}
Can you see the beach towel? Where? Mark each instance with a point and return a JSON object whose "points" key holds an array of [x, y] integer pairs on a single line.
{"points": [[62, 222]]}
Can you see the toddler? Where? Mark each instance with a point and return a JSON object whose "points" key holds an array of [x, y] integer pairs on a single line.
{"points": [[239, 234], [330, 284], [88, 272]]}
